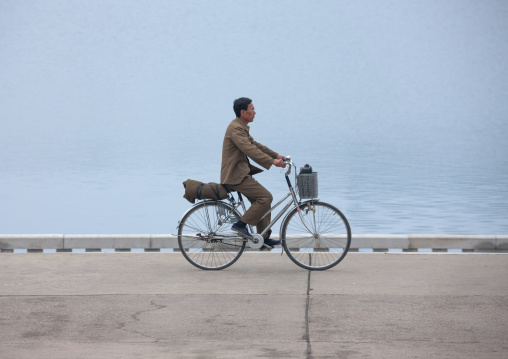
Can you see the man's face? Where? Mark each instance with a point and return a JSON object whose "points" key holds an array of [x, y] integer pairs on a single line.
{"points": [[249, 114]]}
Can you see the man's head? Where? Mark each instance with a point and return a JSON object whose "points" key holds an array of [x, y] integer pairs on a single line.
{"points": [[244, 109]]}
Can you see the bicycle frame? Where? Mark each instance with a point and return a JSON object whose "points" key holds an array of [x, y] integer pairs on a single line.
{"points": [[207, 241], [294, 201]]}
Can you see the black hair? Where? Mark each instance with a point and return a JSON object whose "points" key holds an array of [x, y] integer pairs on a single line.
{"points": [[240, 104]]}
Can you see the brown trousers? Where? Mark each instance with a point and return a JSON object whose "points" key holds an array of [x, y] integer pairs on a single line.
{"points": [[261, 201]]}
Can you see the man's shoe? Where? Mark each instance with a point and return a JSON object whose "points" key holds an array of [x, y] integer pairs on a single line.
{"points": [[242, 231], [270, 242]]}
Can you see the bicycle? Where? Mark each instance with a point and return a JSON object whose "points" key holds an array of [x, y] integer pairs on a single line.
{"points": [[314, 234]]}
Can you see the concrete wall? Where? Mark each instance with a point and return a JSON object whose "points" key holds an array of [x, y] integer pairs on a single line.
{"points": [[70, 241], [157, 241]]}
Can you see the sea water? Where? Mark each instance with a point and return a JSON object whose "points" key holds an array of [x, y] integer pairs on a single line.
{"points": [[106, 108]]}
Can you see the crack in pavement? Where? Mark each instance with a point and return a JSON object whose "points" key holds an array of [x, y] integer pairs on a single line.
{"points": [[136, 319], [307, 307]]}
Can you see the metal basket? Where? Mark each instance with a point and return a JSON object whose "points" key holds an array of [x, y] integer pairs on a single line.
{"points": [[307, 185]]}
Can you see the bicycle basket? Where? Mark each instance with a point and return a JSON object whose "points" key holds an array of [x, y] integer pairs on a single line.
{"points": [[307, 185]]}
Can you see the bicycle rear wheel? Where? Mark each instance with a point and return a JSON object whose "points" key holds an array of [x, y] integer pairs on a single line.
{"points": [[321, 241], [205, 236]]}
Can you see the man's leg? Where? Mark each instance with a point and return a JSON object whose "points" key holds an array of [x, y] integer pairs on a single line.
{"points": [[261, 201]]}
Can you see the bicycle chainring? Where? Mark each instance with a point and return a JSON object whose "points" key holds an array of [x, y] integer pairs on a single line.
{"points": [[257, 242]]}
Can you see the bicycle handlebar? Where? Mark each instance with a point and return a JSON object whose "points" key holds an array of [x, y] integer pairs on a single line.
{"points": [[287, 160]]}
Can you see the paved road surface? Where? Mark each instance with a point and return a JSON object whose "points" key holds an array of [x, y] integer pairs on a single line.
{"points": [[156, 305]]}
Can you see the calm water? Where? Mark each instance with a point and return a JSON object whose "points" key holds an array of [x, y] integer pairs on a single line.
{"points": [[106, 110]]}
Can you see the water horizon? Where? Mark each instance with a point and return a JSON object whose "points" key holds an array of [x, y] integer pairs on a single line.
{"points": [[107, 108]]}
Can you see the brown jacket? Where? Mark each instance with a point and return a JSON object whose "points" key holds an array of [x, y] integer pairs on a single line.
{"points": [[238, 144]]}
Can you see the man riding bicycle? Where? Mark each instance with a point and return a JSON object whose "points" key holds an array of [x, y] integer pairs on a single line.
{"points": [[237, 172]]}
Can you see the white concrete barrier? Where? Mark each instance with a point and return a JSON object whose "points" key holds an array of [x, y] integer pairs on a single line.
{"points": [[106, 241], [380, 241], [502, 242], [164, 241], [157, 241], [482, 242], [31, 241]]}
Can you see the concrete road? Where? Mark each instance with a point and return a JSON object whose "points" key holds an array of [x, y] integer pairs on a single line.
{"points": [[156, 305]]}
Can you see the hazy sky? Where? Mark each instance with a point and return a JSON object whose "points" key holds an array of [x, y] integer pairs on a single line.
{"points": [[66, 64]]}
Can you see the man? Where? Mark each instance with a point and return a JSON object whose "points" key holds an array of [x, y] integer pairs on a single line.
{"points": [[236, 170]]}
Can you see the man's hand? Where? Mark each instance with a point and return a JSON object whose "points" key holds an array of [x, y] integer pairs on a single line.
{"points": [[279, 162], [281, 157]]}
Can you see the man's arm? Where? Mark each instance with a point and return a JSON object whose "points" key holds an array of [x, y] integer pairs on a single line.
{"points": [[250, 148], [279, 162], [278, 159], [263, 148]]}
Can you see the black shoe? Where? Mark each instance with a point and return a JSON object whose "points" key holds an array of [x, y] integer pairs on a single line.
{"points": [[242, 231], [269, 242]]}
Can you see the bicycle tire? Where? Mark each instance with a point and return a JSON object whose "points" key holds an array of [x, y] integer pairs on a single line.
{"points": [[326, 245], [205, 237]]}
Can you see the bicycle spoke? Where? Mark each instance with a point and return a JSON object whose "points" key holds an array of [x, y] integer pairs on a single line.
{"points": [[206, 239], [326, 246]]}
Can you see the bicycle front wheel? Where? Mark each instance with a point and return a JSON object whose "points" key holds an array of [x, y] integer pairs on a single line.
{"points": [[205, 236], [317, 240]]}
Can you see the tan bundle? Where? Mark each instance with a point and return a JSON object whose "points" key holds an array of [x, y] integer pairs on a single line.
{"points": [[199, 190]]}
